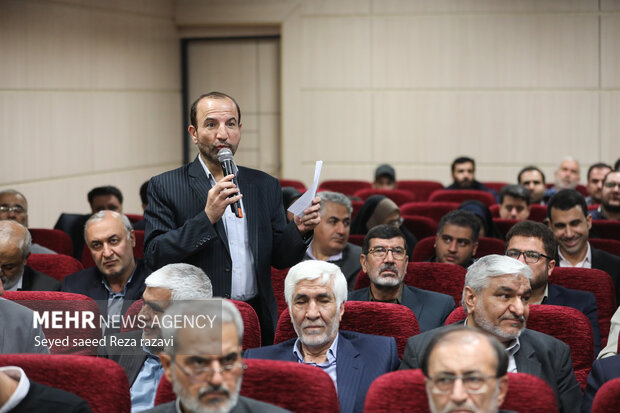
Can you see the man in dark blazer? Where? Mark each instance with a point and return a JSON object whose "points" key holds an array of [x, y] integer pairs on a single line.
{"points": [[602, 371], [316, 292], [495, 297], [384, 259], [188, 218]]}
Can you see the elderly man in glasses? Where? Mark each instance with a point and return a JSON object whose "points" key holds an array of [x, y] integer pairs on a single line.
{"points": [[465, 370], [384, 259]]}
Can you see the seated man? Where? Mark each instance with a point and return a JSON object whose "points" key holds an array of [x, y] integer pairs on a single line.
{"points": [[514, 202], [534, 244], [15, 241], [602, 371], [117, 278], [385, 177], [201, 385], [610, 198], [496, 300], [14, 206], [476, 358], [567, 215], [596, 174], [331, 235], [611, 348], [457, 238], [566, 176], [315, 292], [464, 175], [384, 259], [533, 179]]}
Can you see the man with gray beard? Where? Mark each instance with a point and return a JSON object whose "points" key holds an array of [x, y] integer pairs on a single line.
{"points": [[384, 259], [496, 301]]}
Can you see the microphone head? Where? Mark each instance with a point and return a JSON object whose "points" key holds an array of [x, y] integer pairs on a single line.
{"points": [[224, 154]]}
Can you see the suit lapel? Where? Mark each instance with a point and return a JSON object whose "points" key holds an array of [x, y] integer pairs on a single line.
{"points": [[525, 358], [349, 370], [409, 300]]}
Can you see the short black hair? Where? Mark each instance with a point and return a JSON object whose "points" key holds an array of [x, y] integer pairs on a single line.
{"points": [[597, 165], [528, 169], [617, 165], [143, 189], [515, 191], [609, 173], [567, 199], [383, 231], [461, 218], [536, 230], [212, 95], [463, 159], [499, 349], [105, 190]]}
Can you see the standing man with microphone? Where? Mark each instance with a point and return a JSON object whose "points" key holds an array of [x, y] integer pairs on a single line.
{"points": [[188, 218]]}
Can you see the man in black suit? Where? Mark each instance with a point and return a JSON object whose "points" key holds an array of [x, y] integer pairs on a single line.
{"points": [[602, 371], [188, 218], [15, 242], [496, 300], [567, 213], [534, 244]]}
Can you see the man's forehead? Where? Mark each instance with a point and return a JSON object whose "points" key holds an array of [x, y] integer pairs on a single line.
{"points": [[314, 287], [575, 212], [507, 281], [612, 177], [531, 176], [106, 228], [509, 199], [392, 242], [464, 165], [457, 230], [462, 354], [211, 106], [335, 209], [156, 294], [208, 342], [572, 165], [10, 198], [521, 241]]}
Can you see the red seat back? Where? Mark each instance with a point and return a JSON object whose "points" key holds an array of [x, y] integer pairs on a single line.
{"points": [[101, 382], [134, 217], [294, 183], [424, 249], [357, 239], [292, 386], [53, 239], [138, 250], [420, 189], [495, 186], [607, 398], [462, 195], [606, 228], [504, 224], [54, 265], [344, 186], [420, 226], [612, 246], [433, 210], [399, 196], [277, 280], [357, 205]]}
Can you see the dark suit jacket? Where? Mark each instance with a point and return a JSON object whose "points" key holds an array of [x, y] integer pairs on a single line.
{"points": [[88, 282], [46, 399], [129, 358], [609, 263], [360, 358], [602, 371], [73, 225], [34, 280], [430, 308], [178, 230], [583, 301], [540, 355], [244, 405], [350, 264]]}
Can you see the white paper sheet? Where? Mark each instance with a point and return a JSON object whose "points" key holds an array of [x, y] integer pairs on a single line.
{"points": [[305, 200]]}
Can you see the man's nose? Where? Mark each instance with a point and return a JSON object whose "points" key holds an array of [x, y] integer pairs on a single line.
{"points": [[459, 393], [312, 312], [107, 251], [517, 306], [452, 245], [222, 132]]}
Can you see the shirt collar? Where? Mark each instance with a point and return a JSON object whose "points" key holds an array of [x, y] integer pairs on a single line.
{"points": [[208, 172], [397, 300], [104, 281], [331, 353], [20, 392]]}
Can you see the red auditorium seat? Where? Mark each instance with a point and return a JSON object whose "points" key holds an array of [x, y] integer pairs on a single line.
{"points": [[606, 228], [294, 183], [101, 382], [53, 239], [424, 249], [292, 386], [420, 226], [434, 210], [420, 189], [538, 212], [504, 224], [277, 280], [595, 281], [495, 186], [433, 276], [347, 187], [593, 207], [399, 196], [357, 239], [462, 195], [607, 398], [44, 301], [381, 319], [134, 217], [138, 250], [55, 265], [357, 205], [581, 188], [612, 246], [404, 391]]}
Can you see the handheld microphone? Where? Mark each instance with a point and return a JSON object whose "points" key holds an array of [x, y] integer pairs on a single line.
{"points": [[225, 157]]}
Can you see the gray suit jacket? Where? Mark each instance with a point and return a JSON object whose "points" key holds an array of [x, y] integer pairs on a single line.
{"points": [[539, 355], [129, 358], [244, 405], [17, 334], [34, 280]]}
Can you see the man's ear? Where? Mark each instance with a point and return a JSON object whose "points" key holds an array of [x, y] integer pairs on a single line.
{"points": [[166, 363], [341, 312], [503, 389], [132, 238], [363, 262], [192, 131], [470, 299]]}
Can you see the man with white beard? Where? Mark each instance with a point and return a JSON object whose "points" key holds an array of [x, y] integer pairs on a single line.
{"points": [[496, 300]]}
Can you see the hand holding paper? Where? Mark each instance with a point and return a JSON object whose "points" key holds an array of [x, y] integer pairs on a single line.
{"points": [[306, 208]]}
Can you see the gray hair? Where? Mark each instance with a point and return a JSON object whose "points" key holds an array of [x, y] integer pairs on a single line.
{"points": [[478, 274], [9, 230], [100, 216], [15, 192], [311, 270], [185, 281], [336, 198], [229, 314]]}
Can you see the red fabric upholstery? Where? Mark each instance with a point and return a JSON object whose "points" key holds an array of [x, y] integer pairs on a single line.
{"points": [[504, 224], [607, 398], [606, 228], [399, 196], [138, 250], [434, 276], [357, 239], [420, 189], [101, 382], [538, 212], [55, 265], [434, 210], [277, 280], [357, 205], [292, 386], [381, 319], [42, 301], [53, 239], [134, 217], [594, 281], [132, 312], [424, 249], [420, 226], [404, 391], [462, 195], [347, 187], [294, 183], [582, 189], [612, 246], [495, 186]]}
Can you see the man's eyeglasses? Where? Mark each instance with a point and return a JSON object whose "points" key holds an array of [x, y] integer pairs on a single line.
{"points": [[380, 252], [530, 257], [18, 209], [473, 383], [195, 367], [612, 184]]}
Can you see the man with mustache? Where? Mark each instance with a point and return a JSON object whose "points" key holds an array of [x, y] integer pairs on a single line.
{"points": [[315, 292], [384, 259], [457, 238], [464, 175], [496, 301], [330, 241], [610, 198]]}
